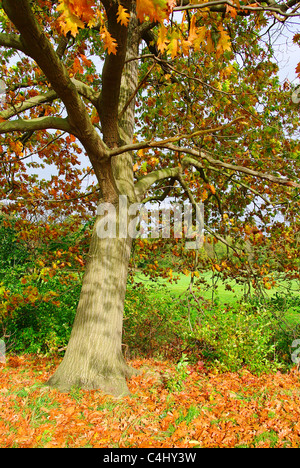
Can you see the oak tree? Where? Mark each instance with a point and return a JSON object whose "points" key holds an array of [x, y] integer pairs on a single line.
{"points": [[166, 98]]}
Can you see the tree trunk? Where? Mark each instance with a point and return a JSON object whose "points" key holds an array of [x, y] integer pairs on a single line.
{"points": [[94, 359]]}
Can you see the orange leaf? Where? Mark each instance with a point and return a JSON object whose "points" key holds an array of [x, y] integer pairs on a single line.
{"points": [[69, 22], [212, 189], [123, 16], [75, 14], [110, 43], [231, 11], [154, 10], [193, 32]]}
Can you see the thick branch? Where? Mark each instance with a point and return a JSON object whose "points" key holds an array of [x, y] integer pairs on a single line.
{"points": [[147, 181], [199, 165], [86, 91], [83, 89], [29, 104], [42, 123], [11, 41], [108, 106]]}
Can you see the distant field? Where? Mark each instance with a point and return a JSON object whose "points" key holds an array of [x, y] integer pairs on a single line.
{"points": [[162, 286], [287, 291]]}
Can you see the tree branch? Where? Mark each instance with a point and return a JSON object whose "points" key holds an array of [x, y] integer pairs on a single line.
{"points": [[108, 106], [164, 143], [216, 162], [220, 6], [158, 175], [83, 89], [147, 181], [12, 41], [86, 91], [42, 123], [29, 104]]}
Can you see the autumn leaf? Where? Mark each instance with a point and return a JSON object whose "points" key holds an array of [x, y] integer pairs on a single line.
{"points": [[33, 418], [185, 46], [86, 61], [193, 35], [80, 8], [68, 21], [201, 34], [109, 42], [231, 11], [162, 41], [123, 16], [224, 42], [152, 10], [204, 195], [173, 47], [212, 189]]}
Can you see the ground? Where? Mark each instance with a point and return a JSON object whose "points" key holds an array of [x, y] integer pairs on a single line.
{"points": [[203, 409]]}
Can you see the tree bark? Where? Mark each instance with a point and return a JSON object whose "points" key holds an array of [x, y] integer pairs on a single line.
{"points": [[93, 358]]}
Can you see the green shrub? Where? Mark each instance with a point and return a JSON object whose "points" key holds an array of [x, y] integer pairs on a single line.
{"points": [[242, 336], [40, 321], [153, 324], [13, 251]]}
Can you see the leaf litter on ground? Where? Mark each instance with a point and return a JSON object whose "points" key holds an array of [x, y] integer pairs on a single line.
{"points": [[207, 409]]}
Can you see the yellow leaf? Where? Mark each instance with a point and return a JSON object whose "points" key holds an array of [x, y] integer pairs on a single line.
{"points": [[201, 33], [224, 41], [210, 45], [123, 16], [162, 42], [173, 48]]}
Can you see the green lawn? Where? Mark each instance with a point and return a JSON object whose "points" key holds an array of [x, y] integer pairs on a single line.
{"points": [[161, 286], [286, 293]]}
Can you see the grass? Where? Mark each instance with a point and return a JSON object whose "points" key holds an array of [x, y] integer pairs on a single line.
{"points": [[283, 300], [181, 283]]}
